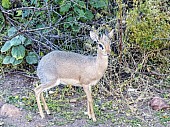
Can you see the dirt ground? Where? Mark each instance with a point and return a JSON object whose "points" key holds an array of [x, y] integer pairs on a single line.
{"points": [[14, 85]]}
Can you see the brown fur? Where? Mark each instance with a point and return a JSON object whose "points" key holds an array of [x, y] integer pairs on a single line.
{"points": [[75, 69]]}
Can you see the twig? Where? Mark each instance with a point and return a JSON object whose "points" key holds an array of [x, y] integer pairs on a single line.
{"points": [[27, 31], [25, 8], [120, 30], [168, 39]]}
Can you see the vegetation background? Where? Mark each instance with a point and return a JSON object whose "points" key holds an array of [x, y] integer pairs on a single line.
{"points": [[139, 66]]}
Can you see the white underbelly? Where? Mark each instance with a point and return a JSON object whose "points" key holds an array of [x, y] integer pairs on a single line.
{"points": [[70, 82]]}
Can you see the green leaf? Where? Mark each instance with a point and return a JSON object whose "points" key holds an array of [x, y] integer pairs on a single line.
{"points": [[28, 42], [70, 19], [15, 41], [6, 60], [99, 3], [65, 7], [19, 13], [6, 46], [80, 13], [6, 3], [18, 52], [15, 61], [82, 4], [32, 58], [66, 25], [22, 38], [76, 28], [69, 22], [12, 31], [25, 13], [1, 59], [89, 15], [33, 2]]}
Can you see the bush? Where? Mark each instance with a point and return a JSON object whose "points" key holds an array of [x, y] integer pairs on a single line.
{"points": [[148, 25], [37, 21]]}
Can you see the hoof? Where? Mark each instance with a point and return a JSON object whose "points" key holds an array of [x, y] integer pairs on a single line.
{"points": [[42, 116], [86, 113], [94, 119], [48, 112]]}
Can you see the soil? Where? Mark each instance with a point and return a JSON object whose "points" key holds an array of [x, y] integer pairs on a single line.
{"points": [[14, 84], [19, 85]]}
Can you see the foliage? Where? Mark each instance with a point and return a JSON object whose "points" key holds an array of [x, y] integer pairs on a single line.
{"points": [[30, 29], [17, 53], [65, 17], [6, 3], [77, 12], [148, 25]]}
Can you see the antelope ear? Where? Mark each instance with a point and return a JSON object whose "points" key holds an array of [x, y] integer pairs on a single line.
{"points": [[94, 36], [110, 35]]}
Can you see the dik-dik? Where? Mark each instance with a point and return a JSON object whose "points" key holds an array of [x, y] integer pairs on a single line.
{"points": [[71, 68]]}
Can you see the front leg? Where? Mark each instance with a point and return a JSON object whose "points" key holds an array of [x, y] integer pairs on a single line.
{"points": [[90, 110]]}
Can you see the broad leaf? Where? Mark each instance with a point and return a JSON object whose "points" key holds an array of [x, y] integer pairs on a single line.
{"points": [[33, 2], [81, 4], [99, 3], [12, 31], [25, 13], [6, 60], [65, 7], [6, 46], [89, 15], [6, 3], [28, 42], [18, 52], [76, 28], [80, 13], [15, 41], [22, 38], [32, 58], [15, 61], [19, 13]]}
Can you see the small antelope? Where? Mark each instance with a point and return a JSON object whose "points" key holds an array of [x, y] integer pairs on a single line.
{"points": [[71, 68]]}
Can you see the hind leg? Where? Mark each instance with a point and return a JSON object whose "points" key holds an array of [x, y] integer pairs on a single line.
{"points": [[44, 104], [38, 93]]}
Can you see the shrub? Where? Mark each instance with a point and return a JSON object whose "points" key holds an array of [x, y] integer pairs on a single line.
{"points": [[148, 25]]}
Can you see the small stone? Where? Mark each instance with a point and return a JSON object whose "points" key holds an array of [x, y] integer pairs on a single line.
{"points": [[51, 92], [74, 100], [10, 110]]}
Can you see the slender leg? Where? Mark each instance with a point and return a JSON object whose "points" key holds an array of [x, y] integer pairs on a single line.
{"points": [[37, 95], [88, 105], [88, 110], [89, 102], [44, 104], [38, 92]]}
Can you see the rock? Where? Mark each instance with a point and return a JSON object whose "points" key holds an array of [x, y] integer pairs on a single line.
{"points": [[74, 100], [157, 103], [10, 111]]}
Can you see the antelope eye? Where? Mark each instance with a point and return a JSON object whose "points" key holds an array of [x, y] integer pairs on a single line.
{"points": [[101, 46], [95, 42]]}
